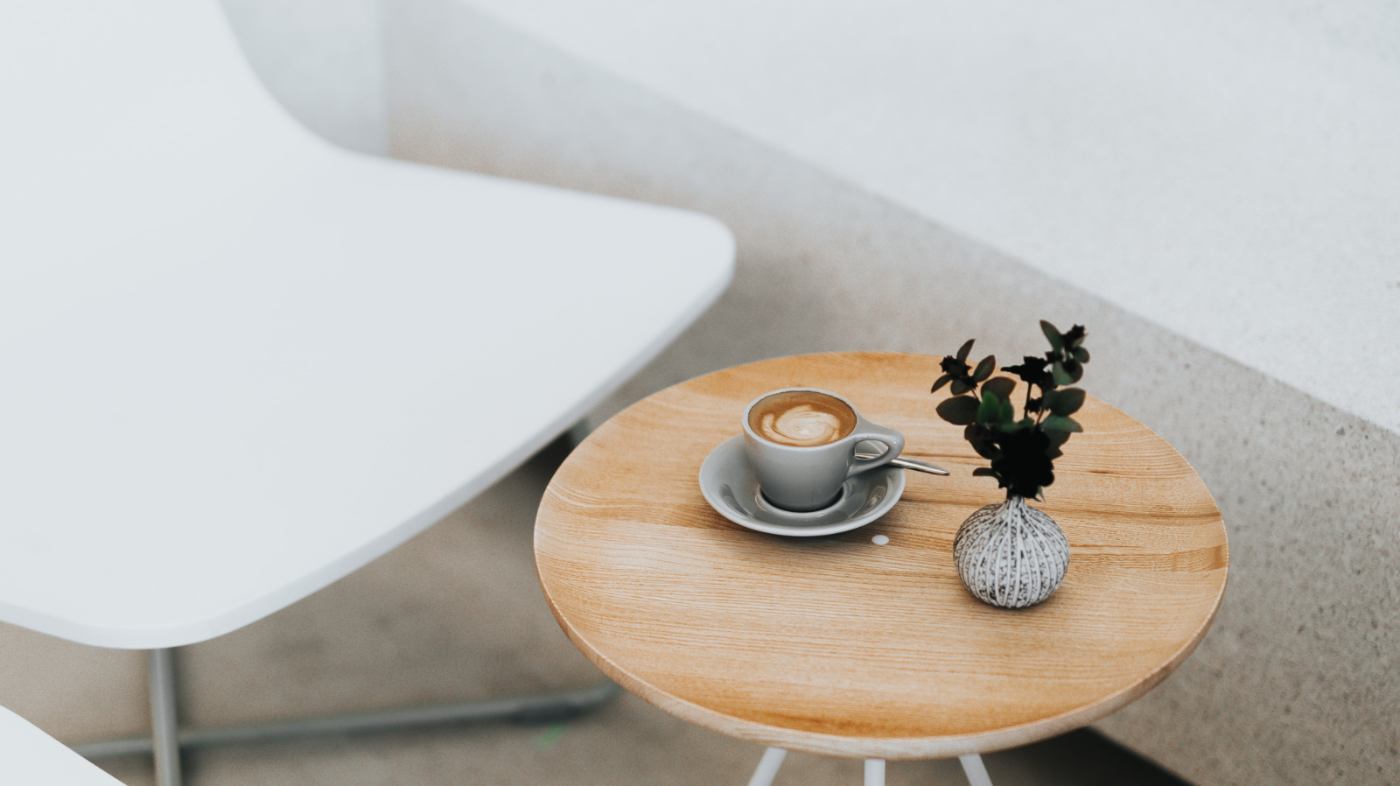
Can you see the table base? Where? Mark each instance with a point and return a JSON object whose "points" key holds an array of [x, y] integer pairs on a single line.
{"points": [[167, 739], [772, 760]]}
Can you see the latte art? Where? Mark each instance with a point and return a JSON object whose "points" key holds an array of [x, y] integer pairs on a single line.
{"points": [[802, 419], [801, 425]]}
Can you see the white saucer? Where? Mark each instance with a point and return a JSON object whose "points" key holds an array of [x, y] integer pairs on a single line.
{"points": [[732, 490]]}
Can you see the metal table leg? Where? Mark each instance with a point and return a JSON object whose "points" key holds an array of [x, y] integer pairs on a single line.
{"points": [[165, 726], [975, 770], [167, 739], [768, 767], [972, 765], [541, 708]]}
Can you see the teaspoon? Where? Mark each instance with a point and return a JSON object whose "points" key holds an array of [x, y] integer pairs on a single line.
{"points": [[904, 463]]}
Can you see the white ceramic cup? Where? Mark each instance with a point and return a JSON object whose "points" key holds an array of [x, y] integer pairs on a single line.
{"points": [[809, 477]]}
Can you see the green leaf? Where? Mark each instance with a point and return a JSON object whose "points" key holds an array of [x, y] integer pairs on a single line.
{"points": [[984, 472], [1081, 354], [1017, 425], [981, 441], [1075, 369], [959, 410], [993, 410], [1000, 387], [1060, 375], [986, 450], [1065, 401], [985, 368], [964, 349], [1061, 423], [940, 382], [961, 386], [989, 410], [1057, 342]]}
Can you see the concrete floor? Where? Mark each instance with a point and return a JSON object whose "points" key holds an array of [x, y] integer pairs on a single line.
{"points": [[454, 614]]}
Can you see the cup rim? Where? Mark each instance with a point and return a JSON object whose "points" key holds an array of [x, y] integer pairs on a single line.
{"points": [[748, 429]]}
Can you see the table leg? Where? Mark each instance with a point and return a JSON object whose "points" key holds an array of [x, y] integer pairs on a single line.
{"points": [[975, 770], [874, 772], [165, 728], [768, 767]]}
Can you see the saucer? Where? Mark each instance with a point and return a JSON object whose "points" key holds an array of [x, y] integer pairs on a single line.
{"points": [[732, 490]]}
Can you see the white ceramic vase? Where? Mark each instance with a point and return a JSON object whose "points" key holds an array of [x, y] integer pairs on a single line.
{"points": [[1011, 555]]}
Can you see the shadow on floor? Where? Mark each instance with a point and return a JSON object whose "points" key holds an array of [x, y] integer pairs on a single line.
{"points": [[453, 615]]}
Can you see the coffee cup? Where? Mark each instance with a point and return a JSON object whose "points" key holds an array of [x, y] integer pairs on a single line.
{"points": [[801, 444]]}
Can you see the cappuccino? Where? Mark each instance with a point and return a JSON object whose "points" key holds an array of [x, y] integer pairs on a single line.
{"points": [[802, 419]]}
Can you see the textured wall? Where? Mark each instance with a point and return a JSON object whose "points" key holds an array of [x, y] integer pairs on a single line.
{"points": [[322, 59], [1211, 167], [1293, 685]]}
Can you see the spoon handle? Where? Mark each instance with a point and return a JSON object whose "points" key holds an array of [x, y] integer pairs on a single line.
{"points": [[904, 463]]}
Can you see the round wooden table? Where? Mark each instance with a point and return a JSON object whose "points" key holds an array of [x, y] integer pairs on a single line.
{"points": [[841, 646]]}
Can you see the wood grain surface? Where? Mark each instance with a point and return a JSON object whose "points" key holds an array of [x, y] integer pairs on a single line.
{"points": [[840, 646]]}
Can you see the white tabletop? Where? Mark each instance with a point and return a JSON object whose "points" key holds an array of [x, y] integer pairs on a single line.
{"points": [[237, 363], [31, 757]]}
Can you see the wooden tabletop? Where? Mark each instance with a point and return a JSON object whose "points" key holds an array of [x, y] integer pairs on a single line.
{"points": [[841, 646]]}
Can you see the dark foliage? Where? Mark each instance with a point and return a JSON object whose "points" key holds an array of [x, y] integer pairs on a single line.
{"points": [[1021, 451]]}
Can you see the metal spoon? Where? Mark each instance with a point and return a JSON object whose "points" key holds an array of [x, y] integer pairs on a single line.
{"points": [[904, 463]]}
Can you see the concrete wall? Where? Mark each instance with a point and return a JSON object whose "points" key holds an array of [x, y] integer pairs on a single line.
{"points": [[322, 59], [1292, 685], [1219, 170]]}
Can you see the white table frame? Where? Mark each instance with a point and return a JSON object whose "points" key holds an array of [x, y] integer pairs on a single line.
{"points": [[168, 740], [28, 755], [772, 761], [206, 302]]}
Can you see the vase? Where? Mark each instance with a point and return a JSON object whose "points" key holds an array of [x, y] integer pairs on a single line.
{"points": [[1011, 555]]}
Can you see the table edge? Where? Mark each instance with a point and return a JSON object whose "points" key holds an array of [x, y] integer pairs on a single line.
{"points": [[892, 748]]}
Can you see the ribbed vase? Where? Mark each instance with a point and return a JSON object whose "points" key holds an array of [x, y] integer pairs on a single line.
{"points": [[1011, 555]]}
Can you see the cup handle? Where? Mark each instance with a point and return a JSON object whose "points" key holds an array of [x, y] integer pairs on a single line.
{"points": [[893, 441]]}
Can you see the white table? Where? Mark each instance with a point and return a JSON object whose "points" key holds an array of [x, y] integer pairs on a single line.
{"points": [[239, 364], [29, 756]]}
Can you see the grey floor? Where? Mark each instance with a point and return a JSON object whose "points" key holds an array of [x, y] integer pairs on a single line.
{"points": [[455, 614]]}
